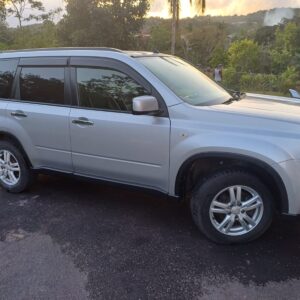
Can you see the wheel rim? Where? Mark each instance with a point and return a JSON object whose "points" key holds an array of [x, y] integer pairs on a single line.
{"points": [[236, 210], [10, 171]]}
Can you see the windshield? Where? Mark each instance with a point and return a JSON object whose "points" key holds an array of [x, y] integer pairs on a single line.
{"points": [[185, 81]]}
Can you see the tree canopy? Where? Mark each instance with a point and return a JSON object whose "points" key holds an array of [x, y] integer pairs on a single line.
{"points": [[102, 22]]}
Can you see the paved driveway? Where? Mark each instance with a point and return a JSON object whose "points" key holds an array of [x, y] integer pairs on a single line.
{"points": [[69, 239]]}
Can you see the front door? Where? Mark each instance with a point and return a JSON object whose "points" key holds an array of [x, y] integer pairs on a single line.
{"points": [[108, 141]]}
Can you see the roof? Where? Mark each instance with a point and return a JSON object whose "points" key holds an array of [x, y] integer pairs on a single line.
{"points": [[63, 49], [69, 51]]}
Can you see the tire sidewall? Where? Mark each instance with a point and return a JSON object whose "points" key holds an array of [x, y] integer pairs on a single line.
{"points": [[204, 195]]}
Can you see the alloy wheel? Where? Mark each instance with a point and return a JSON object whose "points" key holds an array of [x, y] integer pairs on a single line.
{"points": [[10, 171], [236, 210]]}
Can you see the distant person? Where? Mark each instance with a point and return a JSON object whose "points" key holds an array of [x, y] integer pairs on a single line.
{"points": [[218, 74]]}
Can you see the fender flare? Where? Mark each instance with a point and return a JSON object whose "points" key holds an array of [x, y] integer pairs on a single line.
{"points": [[284, 203]]}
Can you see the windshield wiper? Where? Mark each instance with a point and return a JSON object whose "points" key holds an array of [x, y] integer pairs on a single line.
{"points": [[236, 96], [229, 101]]}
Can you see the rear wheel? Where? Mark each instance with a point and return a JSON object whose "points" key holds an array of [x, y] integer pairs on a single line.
{"points": [[232, 207], [15, 174]]}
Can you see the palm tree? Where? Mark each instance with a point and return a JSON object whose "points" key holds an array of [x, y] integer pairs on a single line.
{"points": [[175, 11]]}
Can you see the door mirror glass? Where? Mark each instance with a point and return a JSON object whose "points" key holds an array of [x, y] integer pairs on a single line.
{"points": [[145, 105]]}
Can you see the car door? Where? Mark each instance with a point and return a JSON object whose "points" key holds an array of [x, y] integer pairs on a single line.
{"points": [[108, 141], [40, 111]]}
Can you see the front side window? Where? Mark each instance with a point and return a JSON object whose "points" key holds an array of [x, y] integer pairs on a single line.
{"points": [[185, 81], [43, 85], [107, 89], [8, 69]]}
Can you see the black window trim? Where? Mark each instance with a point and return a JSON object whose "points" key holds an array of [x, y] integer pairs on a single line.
{"points": [[44, 61], [112, 64], [14, 77]]}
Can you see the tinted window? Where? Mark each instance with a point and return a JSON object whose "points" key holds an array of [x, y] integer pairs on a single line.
{"points": [[7, 72], [107, 89], [43, 85]]}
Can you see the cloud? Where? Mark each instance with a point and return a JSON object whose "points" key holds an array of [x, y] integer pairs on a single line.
{"points": [[227, 7]]}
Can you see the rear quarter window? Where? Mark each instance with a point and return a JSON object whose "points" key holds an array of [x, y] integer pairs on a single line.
{"points": [[8, 68]]}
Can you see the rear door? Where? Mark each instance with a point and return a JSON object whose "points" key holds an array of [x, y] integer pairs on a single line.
{"points": [[40, 109], [108, 141]]}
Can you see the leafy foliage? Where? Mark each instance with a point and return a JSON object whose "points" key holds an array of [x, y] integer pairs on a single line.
{"points": [[19, 8], [37, 36], [102, 23], [244, 56]]}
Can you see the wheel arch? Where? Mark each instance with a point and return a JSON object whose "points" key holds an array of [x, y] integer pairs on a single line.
{"points": [[208, 163], [5, 136]]}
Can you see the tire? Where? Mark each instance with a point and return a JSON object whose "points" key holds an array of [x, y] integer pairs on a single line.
{"points": [[24, 176], [221, 214]]}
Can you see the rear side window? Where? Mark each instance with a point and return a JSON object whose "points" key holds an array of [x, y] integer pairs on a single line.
{"points": [[107, 89], [8, 69], [43, 85]]}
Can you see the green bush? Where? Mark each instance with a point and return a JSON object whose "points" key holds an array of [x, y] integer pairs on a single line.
{"points": [[231, 78], [289, 79], [3, 46], [260, 83]]}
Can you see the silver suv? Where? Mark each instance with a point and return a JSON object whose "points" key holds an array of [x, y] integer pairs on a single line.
{"points": [[151, 121]]}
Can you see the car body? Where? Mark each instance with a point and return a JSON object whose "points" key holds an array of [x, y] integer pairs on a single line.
{"points": [[171, 150]]}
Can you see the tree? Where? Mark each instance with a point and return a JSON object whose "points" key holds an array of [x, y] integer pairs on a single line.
{"points": [[175, 11], [280, 60], [19, 8], [35, 36], [265, 35], [5, 36], [204, 39], [286, 48], [2, 10], [160, 38], [219, 56], [102, 23], [244, 56]]}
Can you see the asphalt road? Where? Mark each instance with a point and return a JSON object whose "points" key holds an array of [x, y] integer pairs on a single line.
{"points": [[68, 239]]}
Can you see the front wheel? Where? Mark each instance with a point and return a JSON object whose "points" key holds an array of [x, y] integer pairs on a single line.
{"points": [[232, 207]]}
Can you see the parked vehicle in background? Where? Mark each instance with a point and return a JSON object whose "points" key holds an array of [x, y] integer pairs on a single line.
{"points": [[294, 94], [152, 121]]}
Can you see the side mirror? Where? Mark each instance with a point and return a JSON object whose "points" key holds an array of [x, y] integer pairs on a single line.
{"points": [[145, 105]]}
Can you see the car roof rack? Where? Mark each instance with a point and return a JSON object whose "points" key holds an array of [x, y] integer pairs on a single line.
{"points": [[63, 48]]}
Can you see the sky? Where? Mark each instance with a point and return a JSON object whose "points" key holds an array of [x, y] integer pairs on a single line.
{"points": [[214, 7], [224, 7]]}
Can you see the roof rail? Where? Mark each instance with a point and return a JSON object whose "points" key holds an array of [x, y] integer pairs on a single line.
{"points": [[63, 48]]}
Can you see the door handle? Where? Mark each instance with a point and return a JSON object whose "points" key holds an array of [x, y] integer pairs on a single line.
{"points": [[83, 122], [18, 114]]}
